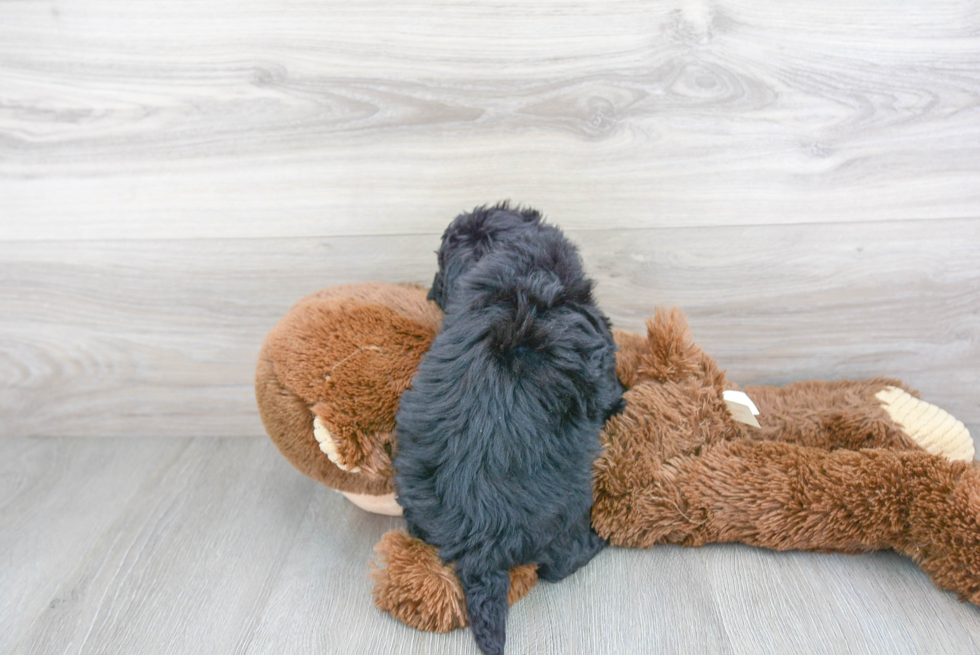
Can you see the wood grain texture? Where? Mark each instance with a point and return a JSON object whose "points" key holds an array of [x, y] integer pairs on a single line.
{"points": [[159, 338], [163, 546], [255, 119], [875, 603], [185, 565], [804, 181], [58, 500]]}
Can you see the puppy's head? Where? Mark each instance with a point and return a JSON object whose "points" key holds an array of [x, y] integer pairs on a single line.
{"points": [[470, 237]]}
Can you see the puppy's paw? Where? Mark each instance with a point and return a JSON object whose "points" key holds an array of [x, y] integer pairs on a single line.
{"points": [[329, 446]]}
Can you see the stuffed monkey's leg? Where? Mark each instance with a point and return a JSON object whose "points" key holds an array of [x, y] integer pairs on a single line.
{"points": [[785, 497], [413, 585], [877, 413]]}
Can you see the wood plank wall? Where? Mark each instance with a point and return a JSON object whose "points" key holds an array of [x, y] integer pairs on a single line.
{"points": [[803, 178]]}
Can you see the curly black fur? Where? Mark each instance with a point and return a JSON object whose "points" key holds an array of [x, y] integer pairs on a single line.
{"points": [[497, 434], [470, 237]]}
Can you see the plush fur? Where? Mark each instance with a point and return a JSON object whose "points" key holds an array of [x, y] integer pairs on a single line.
{"points": [[350, 379], [499, 429], [829, 469]]}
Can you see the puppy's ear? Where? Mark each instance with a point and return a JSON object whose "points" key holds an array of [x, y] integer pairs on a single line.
{"points": [[446, 280], [436, 292]]}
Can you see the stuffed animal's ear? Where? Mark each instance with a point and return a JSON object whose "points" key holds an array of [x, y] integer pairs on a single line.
{"points": [[666, 353], [672, 353]]}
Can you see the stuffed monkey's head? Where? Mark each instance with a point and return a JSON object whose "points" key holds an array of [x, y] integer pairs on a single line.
{"points": [[330, 375]]}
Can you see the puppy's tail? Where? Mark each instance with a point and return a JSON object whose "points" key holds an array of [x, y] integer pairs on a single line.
{"points": [[486, 603]]}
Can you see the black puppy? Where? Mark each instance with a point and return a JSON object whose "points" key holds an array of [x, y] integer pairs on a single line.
{"points": [[497, 434]]}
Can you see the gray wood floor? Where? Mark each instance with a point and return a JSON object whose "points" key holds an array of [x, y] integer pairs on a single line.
{"points": [[803, 178], [179, 545]]}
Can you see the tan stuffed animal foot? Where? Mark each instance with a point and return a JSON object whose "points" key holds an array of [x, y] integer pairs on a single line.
{"points": [[932, 428], [417, 588]]}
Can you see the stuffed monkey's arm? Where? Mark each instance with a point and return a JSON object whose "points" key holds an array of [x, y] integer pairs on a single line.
{"points": [[787, 497], [413, 585], [852, 414]]}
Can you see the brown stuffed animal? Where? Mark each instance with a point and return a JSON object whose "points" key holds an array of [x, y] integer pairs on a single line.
{"points": [[834, 466]]}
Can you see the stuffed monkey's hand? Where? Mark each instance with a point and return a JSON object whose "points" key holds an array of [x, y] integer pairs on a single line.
{"points": [[349, 448], [413, 585], [329, 448]]}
